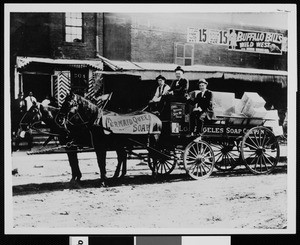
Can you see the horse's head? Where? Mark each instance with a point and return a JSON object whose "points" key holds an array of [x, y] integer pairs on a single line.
{"points": [[78, 111], [70, 104]]}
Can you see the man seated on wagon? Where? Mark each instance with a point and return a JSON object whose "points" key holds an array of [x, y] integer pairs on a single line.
{"points": [[203, 108], [157, 103]]}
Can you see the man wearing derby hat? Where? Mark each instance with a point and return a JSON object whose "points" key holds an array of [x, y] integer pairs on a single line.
{"points": [[203, 107], [157, 102], [179, 86]]}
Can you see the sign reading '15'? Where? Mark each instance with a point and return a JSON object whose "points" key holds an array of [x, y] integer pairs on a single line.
{"points": [[207, 36]]}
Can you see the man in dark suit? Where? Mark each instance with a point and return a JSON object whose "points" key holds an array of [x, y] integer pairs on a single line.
{"points": [[18, 111], [179, 86], [203, 108]]}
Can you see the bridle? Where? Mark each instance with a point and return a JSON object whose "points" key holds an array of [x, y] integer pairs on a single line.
{"points": [[67, 119]]}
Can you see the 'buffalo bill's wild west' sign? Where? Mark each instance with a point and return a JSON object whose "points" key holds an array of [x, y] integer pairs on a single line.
{"points": [[240, 40]]}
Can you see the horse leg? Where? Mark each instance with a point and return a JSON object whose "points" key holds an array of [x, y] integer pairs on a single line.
{"points": [[101, 159], [74, 164], [122, 158], [124, 167], [117, 172]]}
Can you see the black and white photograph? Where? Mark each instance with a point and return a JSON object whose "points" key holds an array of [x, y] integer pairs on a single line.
{"points": [[150, 118]]}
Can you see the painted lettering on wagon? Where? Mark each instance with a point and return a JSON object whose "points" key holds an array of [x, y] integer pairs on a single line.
{"points": [[227, 130]]}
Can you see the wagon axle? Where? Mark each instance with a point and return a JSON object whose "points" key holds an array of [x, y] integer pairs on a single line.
{"points": [[260, 151]]}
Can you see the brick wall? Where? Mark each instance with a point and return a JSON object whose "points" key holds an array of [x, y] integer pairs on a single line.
{"points": [[80, 50], [153, 37], [29, 34]]}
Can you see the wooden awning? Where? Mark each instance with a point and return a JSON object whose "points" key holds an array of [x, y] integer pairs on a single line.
{"points": [[149, 71], [22, 62]]}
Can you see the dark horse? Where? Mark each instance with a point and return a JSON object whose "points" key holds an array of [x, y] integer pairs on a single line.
{"points": [[79, 112], [81, 137]]}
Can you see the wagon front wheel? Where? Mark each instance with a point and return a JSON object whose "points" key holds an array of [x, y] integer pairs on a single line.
{"points": [[198, 159], [260, 150], [161, 165]]}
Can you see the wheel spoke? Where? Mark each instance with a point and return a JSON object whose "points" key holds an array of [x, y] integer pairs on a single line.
{"points": [[167, 165], [233, 154], [208, 152], [206, 164], [191, 157], [268, 141], [188, 162], [199, 166], [251, 146], [219, 158], [193, 154], [234, 160], [269, 160], [263, 141], [198, 148], [192, 168], [165, 168], [256, 162], [252, 160], [260, 137], [269, 155], [203, 169], [194, 150], [228, 161], [254, 132], [263, 158], [217, 146]]}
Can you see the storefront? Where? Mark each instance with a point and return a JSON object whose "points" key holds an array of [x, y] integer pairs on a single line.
{"points": [[55, 77]]}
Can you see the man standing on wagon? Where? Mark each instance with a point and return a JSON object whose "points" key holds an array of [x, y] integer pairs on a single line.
{"points": [[179, 87], [203, 108]]}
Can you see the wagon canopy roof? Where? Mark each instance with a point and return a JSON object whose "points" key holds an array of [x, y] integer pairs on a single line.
{"points": [[149, 71]]}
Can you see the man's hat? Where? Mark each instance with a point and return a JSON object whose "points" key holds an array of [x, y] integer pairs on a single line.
{"points": [[202, 81], [178, 68], [160, 77]]}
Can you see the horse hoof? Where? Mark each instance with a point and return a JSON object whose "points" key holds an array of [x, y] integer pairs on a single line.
{"points": [[103, 182]]}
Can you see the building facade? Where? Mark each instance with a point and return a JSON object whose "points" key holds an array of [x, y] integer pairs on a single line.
{"points": [[235, 57]]}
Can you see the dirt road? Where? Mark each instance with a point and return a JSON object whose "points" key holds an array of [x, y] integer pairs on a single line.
{"points": [[42, 197]]}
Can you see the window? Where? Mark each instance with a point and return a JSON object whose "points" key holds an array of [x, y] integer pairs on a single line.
{"points": [[73, 27], [184, 54]]}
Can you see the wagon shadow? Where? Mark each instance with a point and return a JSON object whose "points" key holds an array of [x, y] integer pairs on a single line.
{"points": [[28, 189], [132, 180]]}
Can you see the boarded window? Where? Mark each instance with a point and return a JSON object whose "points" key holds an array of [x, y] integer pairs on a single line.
{"points": [[184, 54]]}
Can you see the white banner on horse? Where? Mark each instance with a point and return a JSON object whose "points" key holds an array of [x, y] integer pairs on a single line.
{"points": [[142, 123]]}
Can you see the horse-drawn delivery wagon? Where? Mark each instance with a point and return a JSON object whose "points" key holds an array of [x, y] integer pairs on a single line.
{"points": [[225, 142]]}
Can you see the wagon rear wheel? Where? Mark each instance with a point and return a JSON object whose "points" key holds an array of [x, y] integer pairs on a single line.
{"points": [[260, 150], [226, 155], [198, 159]]}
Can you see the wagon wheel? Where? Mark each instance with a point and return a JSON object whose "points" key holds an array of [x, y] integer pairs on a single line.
{"points": [[198, 159], [260, 150], [164, 165], [226, 157]]}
